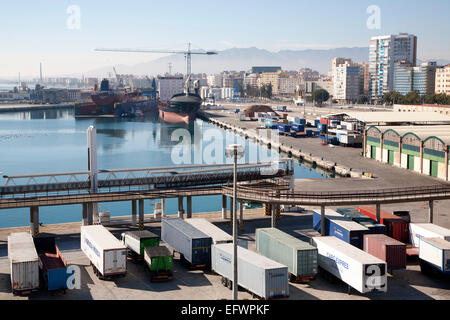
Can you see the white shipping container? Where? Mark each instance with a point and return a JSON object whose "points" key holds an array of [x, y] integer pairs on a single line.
{"points": [[24, 263], [435, 251], [217, 235], [427, 230], [104, 250], [256, 273], [360, 270]]}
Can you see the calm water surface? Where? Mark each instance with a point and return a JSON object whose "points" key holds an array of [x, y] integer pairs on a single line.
{"points": [[54, 141]]}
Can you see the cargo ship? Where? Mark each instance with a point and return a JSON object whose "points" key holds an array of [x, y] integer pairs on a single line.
{"points": [[182, 107], [116, 103]]}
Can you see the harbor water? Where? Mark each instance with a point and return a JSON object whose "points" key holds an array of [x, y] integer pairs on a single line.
{"points": [[51, 141]]}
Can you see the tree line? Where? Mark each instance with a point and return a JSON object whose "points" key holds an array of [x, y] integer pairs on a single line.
{"points": [[414, 97]]}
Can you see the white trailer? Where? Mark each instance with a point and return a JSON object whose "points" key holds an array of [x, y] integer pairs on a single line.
{"points": [[427, 230], [24, 263], [434, 253], [107, 254], [261, 276], [217, 235], [360, 270]]}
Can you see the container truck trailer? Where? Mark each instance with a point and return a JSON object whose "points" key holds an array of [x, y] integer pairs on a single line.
{"points": [[358, 269], [300, 257], [137, 241], [427, 230], [341, 227], [52, 263], [217, 235], [261, 276], [193, 245], [107, 254], [24, 263], [160, 263], [434, 255], [387, 249]]}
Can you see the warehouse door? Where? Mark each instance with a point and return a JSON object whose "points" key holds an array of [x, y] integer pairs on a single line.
{"points": [[410, 162], [390, 157], [373, 152], [434, 168]]}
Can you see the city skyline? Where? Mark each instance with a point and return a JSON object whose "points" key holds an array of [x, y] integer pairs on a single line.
{"points": [[49, 33]]}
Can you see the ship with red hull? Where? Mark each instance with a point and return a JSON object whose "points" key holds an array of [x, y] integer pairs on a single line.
{"points": [[116, 103], [180, 108]]}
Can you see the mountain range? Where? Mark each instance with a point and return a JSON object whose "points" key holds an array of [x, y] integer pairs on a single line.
{"points": [[237, 59]]}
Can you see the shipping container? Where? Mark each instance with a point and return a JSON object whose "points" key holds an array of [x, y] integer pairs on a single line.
{"points": [[362, 219], [301, 121], [107, 254], [323, 121], [300, 257], [396, 227], [284, 128], [341, 227], [52, 263], [298, 127], [261, 276], [193, 245], [360, 270], [316, 123], [137, 241], [322, 127], [24, 263], [160, 262], [392, 251], [217, 235], [434, 253], [427, 230]]}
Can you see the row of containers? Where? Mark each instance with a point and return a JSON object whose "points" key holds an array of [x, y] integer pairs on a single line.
{"points": [[392, 240], [37, 263], [355, 249]]}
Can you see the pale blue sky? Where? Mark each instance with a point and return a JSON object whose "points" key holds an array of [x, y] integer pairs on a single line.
{"points": [[34, 31]]}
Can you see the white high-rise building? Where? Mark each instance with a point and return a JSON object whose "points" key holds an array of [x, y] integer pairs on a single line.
{"points": [[347, 81], [384, 52], [169, 86]]}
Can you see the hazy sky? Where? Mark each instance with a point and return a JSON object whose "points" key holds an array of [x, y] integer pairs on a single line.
{"points": [[37, 31]]}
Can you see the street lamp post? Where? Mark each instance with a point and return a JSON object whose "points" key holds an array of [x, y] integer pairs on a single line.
{"points": [[236, 151]]}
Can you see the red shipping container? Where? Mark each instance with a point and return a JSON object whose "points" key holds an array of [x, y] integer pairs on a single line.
{"points": [[284, 115], [386, 249], [324, 121], [396, 227]]}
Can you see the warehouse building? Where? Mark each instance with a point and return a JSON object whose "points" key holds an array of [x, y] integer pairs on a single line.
{"points": [[422, 149]]}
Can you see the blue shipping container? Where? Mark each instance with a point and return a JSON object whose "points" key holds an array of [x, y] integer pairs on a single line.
{"points": [[316, 123], [194, 245], [298, 128], [309, 133], [52, 263], [284, 127], [362, 219], [301, 121], [341, 227]]}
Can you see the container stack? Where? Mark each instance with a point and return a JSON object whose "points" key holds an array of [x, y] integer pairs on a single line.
{"points": [[396, 227], [341, 227]]}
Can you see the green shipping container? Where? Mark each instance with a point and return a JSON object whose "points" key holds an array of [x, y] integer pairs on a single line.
{"points": [[300, 257], [158, 259], [139, 240]]}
